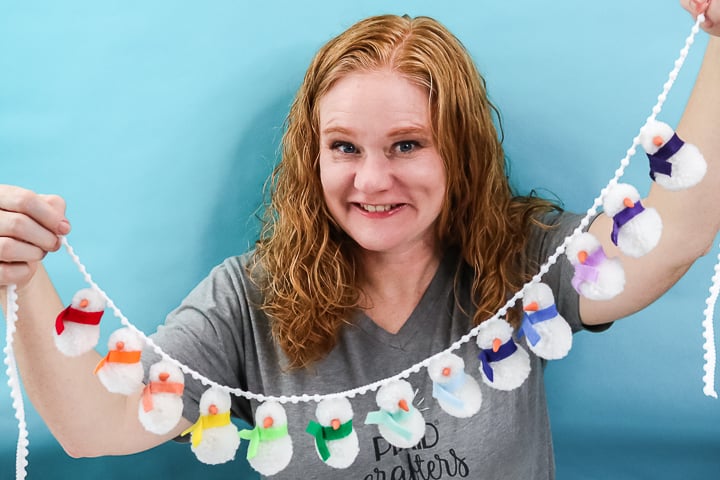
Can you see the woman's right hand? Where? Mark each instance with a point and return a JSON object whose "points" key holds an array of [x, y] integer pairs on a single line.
{"points": [[30, 225], [710, 8]]}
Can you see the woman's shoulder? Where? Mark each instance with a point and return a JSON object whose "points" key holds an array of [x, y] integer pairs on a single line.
{"points": [[241, 273], [552, 225]]}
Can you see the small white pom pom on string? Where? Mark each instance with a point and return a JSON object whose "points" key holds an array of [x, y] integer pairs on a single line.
{"points": [[709, 335], [14, 384]]}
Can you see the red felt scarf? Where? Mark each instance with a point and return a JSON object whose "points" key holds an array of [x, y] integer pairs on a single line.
{"points": [[71, 314]]}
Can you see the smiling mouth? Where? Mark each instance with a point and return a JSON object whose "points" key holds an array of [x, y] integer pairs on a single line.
{"points": [[378, 208]]}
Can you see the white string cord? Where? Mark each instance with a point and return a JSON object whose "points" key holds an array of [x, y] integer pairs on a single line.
{"points": [[12, 307], [709, 335], [592, 211], [21, 453]]}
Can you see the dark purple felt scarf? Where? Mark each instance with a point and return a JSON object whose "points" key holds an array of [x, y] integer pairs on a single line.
{"points": [[659, 160], [623, 217]]}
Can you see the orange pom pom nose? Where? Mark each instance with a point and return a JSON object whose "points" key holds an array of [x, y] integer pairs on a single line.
{"points": [[164, 376], [497, 343], [119, 345], [582, 256], [335, 424], [213, 409], [628, 203], [404, 405], [658, 141], [446, 371], [84, 303], [268, 422], [531, 307]]}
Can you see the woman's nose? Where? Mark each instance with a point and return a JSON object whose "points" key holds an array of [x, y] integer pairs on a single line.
{"points": [[373, 173]]}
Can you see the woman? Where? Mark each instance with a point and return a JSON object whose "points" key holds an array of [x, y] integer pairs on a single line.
{"points": [[391, 233]]}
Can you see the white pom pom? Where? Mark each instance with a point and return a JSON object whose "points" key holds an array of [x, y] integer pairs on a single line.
{"points": [[508, 362], [636, 229], [161, 406]]}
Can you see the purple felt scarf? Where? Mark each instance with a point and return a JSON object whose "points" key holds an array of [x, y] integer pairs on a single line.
{"points": [[659, 160], [588, 271], [623, 217], [487, 356]]}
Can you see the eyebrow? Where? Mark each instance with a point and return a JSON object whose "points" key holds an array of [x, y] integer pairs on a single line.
{"points": [[336, 129], [397, 132], [409, 130]]}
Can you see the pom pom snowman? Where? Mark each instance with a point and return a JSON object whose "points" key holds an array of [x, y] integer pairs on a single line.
{"points": [[504, 364], [161, 406], [214, 438], [547, 333], [121, 371], [457, 393], [77, 328], [398, 421], [636, 229], [674, 164], [336, 442], [270, 448], [597, 277]]}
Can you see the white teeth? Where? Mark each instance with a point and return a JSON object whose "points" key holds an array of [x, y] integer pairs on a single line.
{"points": [[376, 208]]}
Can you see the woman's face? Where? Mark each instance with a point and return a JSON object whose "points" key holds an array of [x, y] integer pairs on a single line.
{"points": [[382, 177]]}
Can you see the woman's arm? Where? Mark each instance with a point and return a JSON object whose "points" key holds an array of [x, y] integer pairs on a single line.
{"points": [[86, 419], [691, 218]]}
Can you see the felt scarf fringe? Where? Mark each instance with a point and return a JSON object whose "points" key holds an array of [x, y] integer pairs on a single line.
{"points": [[74, 315], [259, 434], [159, 387], [119, 356], [205, 422], [324, 434]]}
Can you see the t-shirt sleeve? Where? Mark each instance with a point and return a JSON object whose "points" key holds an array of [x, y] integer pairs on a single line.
{"points": [[542, 243], [205, 334]]}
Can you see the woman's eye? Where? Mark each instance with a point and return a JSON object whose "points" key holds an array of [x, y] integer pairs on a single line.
{"points": [[344, 147], [406, 146]]}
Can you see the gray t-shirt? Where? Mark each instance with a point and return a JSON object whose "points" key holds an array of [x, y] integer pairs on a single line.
{"points": [[219, 331]]}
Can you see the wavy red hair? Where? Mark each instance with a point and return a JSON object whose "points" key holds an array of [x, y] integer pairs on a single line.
{"points": [[306, 264]]}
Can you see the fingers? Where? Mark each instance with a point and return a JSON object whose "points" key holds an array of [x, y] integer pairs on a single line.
{"points": [[712, 14], [29, 228], [710, 9], [19, 227], [14, 251], [695, 7], [699, 6], [46, 210]]}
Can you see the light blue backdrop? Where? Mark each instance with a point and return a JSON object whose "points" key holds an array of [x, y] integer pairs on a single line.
{"points": [[159, 121]]}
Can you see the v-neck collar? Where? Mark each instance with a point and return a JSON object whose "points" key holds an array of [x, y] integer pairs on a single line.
{"points": [[433, 303]]}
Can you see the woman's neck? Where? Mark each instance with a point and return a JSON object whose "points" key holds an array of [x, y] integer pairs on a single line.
{"points": [[393, 284]]}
